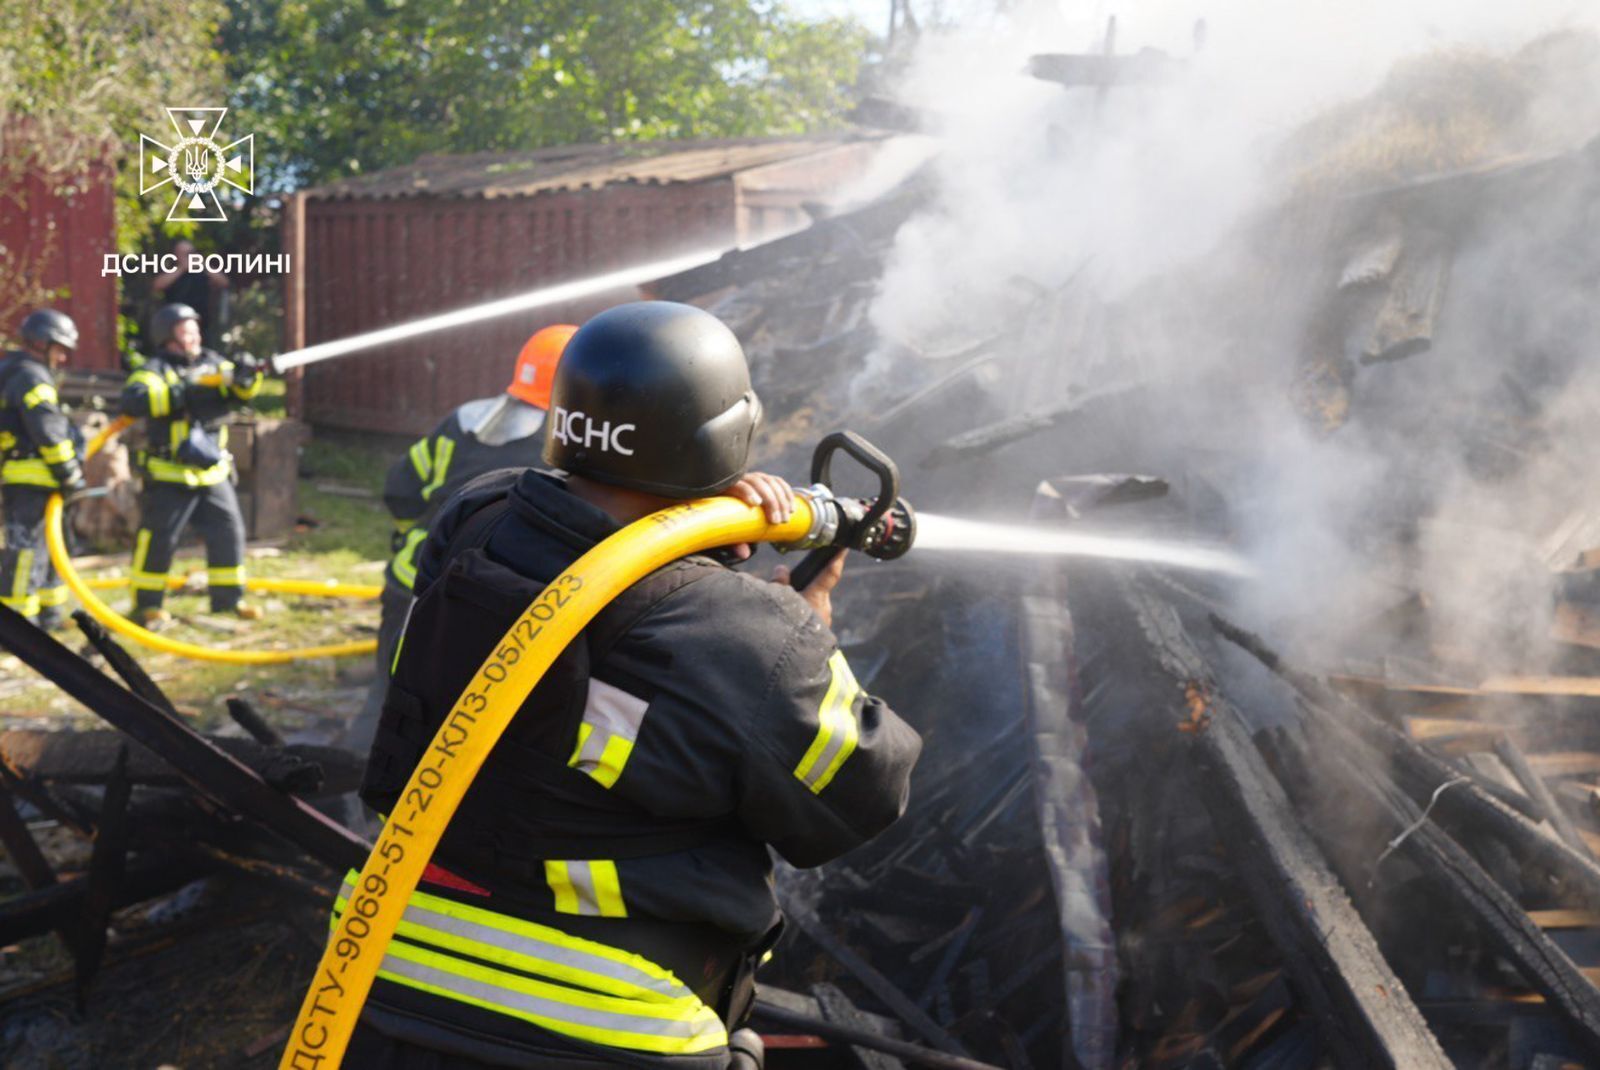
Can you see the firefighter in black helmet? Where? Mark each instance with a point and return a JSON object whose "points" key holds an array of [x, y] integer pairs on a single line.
{"points": [[185, 393], [40, 454], [611, 859]]}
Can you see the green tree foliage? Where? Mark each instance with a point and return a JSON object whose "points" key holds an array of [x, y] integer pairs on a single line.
{"points": [[334, 88], [79, 79]]}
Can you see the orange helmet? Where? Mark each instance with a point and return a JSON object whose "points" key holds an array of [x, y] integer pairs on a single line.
{"points": [[536, 364]]}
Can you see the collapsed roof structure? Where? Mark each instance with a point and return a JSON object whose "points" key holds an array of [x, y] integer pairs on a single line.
{"points": [[1343, 814]]}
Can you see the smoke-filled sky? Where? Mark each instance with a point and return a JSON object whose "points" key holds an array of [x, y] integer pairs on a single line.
{"points": [[1039, 186]]}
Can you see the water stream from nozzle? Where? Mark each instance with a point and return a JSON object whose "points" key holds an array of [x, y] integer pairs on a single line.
{"points": [[944, 533], [543, 297]]}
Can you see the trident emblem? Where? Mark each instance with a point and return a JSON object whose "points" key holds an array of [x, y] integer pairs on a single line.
{"points": [[197, 165]]}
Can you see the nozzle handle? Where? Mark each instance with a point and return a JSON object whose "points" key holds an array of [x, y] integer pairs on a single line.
{"points": [[812, 565]]}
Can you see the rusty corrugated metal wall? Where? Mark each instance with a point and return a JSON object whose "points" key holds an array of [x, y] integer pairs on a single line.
{"points": [[59, 242], [372, 263]]}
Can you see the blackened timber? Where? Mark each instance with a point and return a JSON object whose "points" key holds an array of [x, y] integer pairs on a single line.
{"points": [[1365, 1012], [1360, 1007], [1068, 814], [59, 905], [245, 716], [1457, 875], [1468, 808], [1539, 792], [107, 864], [836, 1007], [122, 662], [87, 758], [211, 771], [26, 856], [876, 983]]}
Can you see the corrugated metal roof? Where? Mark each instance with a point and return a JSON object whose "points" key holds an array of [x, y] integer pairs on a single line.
{"points": [[570, 167]]}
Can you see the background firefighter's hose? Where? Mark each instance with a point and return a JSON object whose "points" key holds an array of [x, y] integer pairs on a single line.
{"points": [[479, 716], [143, 636], [103, 613], [308, 588]]}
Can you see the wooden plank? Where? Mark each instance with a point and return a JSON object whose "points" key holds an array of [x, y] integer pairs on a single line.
{"points": [[1565, 919], [1565, 763], [1539, 792]]}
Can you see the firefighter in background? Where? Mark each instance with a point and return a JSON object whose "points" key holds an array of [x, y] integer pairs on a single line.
{"points": [[604, 892], [185, 392], [504, 431], [40, 453]]}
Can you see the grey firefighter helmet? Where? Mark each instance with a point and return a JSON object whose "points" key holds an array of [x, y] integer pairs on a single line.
{"points": [[46, 327], [654, 396], [165, 322]]}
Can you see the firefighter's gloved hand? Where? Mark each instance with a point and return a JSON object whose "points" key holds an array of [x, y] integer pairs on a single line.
{"points": [[246, 369]]}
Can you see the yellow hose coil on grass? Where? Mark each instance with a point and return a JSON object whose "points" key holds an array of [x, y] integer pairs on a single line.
{"points": [[469, 732], [103, 613]]}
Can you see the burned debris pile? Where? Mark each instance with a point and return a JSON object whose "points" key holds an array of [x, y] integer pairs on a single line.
{"points": [[1345, 813]]}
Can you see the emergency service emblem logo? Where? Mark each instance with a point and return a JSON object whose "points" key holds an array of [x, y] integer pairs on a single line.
{"points": [[197, 165]]}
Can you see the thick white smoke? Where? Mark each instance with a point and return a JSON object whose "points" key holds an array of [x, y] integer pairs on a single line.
{"points": [[1145, 189]]}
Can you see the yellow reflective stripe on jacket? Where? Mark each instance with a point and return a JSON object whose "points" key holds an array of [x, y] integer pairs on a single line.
{"points": [[19, 582], [405, 561], [611, 722], [444, 449], [567, 985], [590, 887], [837, 732], [50, 597], [28, 471], [41, 394], [156, 390], [59, 453], [421, 459], [164, 471], [27, 605], [225, 576]]}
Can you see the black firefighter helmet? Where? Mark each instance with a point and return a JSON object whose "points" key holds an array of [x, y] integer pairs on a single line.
{"points": [[47, 327], [166, 320], [654, 396]]}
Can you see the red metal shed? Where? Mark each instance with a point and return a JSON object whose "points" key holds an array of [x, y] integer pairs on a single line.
{"points": [[448, 232], [56, 240]]}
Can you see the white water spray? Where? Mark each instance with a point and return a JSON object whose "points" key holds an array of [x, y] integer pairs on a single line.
{"points": [[936, 533], [540, 298]]}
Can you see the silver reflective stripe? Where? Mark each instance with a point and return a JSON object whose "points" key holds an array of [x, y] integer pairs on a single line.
{"points": [[611, 722], [438, 971], [525, 952]]}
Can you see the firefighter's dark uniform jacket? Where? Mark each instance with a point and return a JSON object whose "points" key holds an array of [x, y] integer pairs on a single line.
{"points": [[187, 470], [481, 436], [186, 439], [611, 858], [40, 451]]}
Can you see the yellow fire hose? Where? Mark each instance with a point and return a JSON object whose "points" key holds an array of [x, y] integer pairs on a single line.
{"points": [[503, 682], [103, 613]]}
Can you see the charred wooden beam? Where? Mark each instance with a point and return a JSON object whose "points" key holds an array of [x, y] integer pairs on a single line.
{"points": [[24, 852], [88, 757], [1468, 808], [210, 770], [1363, 1009], [107, 864], [1013, 429], [1405, 323], [1539, 792], [60, 905], [122, 663], [876, 983], [1342, 760], [245, 716]]}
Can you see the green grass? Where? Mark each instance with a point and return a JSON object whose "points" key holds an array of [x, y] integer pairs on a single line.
{"points": [[349, 543]]}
